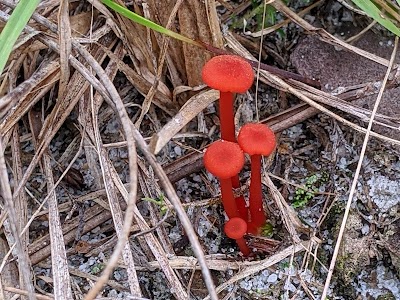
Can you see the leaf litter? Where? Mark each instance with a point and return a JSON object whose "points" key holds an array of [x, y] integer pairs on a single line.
{"points": [[163, 259]]}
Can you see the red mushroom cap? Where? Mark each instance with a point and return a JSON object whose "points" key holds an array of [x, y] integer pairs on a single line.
{"points": [[256, 138], [235, 228], [224, 159], [228, 73]]}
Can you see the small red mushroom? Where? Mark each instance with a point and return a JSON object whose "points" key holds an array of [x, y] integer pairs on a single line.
{"points": [[235, 229], [229, 74], [224, 160], [256, 140]]}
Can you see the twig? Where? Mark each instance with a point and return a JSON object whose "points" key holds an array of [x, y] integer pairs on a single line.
{"points": [[274, 70], [324, 35], [152, 228], [9, 205], [263, 264], [61, 278], [277, 82], [125, 121], [25, 293], [186, 224], [357, 173]]}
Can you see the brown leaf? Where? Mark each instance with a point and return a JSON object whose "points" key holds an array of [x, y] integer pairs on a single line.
{"points": [[75, 178]]}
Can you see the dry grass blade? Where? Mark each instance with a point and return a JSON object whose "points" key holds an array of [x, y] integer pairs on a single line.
{"points": [[64, 40], [24, 293], [173, 197], [189, 111], [25, 95], [107, 175], [324, 35], [357, 172], [214, 23], [347, 107], [280, 84], [289, 216], [263, 264], [61, 279], [117, 215], [9, 275], [90, 106], [21, 203], [23, 265]]}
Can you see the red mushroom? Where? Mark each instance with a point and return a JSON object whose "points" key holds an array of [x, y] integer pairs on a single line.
{"points": [[256, 140], [224, 160], [229, 74], [235, 229]]}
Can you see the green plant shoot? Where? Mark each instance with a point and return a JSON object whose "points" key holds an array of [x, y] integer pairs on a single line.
{"points": [[374, 12], [16, 23], [304, 195], [159, 202], [123, 11]]}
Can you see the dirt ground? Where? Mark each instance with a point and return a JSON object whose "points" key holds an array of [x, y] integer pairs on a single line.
{"points": [[103, 150]]}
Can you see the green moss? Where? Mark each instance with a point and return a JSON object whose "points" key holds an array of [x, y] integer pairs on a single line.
{"points": [[388, 296], [267, 230], [311, 187], [97, 268]]}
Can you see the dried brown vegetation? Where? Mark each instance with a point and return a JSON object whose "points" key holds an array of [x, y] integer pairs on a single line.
{"points": [[79, 69]]}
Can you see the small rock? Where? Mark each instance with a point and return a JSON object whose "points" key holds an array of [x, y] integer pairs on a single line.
{"points": [[272, 278]]}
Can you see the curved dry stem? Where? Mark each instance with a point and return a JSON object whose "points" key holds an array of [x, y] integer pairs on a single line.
{"points": [[8, 203], [125, 121], [108, 90], [263, 264], [282, 85], [173, 197], [324, 35], [357, 173]]}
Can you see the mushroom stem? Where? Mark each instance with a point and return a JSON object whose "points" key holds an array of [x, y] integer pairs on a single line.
{"points": [[226, 116], [226, 113], [240, 202], [228, 200], [243, 246], [257, 214]]}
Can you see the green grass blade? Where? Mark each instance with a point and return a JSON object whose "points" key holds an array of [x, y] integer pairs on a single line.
{"points": [[371, 10], [16, 23], [123, 11]]}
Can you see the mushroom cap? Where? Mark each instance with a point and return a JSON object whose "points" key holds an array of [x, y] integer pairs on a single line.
{"points": [[255, 138], [224, 159], [228, 73], [235, 228]]}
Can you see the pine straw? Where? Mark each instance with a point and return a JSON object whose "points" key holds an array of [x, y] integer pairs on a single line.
{"points": [[81, 71]]}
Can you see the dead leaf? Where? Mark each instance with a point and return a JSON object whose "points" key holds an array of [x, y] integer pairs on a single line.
{"points": [[190, 110]]}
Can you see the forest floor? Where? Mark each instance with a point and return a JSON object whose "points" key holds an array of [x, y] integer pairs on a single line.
{"points": [[73, 157]]}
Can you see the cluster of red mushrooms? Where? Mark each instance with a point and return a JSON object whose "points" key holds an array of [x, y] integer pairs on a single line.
{"points": [[225, 158]]}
